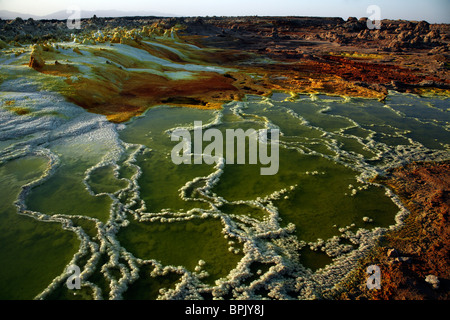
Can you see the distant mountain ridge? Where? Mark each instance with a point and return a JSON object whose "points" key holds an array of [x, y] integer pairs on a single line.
{"points": [[62, 15]]}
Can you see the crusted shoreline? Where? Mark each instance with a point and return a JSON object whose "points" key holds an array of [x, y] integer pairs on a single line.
{"points": [[413, 259]]}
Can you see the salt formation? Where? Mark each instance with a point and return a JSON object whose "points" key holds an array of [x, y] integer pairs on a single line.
{"points": [[58, 130]]}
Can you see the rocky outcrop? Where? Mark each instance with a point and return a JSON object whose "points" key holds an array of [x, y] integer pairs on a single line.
{"points": [[36, 60], [354, 25]]}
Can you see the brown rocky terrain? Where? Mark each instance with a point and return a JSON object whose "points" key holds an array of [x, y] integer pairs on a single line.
{"points": [[414, 260], [402, 55], [307, 54]]}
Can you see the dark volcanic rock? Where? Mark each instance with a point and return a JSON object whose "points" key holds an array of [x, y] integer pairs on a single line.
{"points": [[422, 27]]}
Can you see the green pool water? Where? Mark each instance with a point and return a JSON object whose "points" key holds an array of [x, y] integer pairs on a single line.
{"points": [[32, 253], [222, 229]]}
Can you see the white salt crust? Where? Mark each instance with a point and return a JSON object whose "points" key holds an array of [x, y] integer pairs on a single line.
{"points": [[262, 241]]}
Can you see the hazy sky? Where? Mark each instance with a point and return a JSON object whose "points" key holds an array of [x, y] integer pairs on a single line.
{"points": [[431, 10]]}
